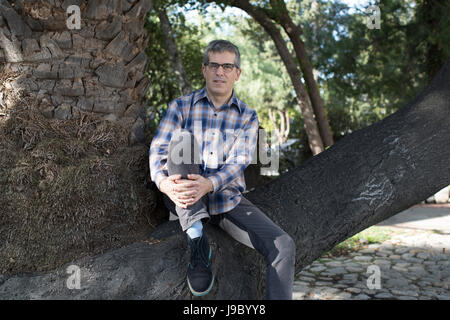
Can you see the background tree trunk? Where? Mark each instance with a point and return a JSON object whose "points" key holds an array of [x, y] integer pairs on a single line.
{"points": [[430, 14], [363, 179], [284, 128], [177, 63], [280, 13], [311, 127]]}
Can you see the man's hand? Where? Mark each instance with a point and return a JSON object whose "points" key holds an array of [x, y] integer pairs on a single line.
{"points": [[186, 192], [168, 185], [194, 188]]}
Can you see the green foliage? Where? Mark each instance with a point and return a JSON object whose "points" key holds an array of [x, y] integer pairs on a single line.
{"points": [[164, 86], [264, 82], [366, 74], [371, 235], [363, 74]]}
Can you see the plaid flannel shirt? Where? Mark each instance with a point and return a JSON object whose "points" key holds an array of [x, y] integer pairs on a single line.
{"points": [[227, 136]]}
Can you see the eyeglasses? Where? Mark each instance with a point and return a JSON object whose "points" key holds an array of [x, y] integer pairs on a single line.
{"points": [[227, 67]]}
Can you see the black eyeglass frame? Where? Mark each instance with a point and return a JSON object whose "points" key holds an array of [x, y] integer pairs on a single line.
{"points": [[227, 67]]}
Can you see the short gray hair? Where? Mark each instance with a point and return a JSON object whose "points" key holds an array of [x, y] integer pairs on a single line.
{"points": [[221, 46]]}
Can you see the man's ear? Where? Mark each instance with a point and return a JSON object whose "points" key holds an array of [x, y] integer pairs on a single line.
{"points": [[238, 74]]}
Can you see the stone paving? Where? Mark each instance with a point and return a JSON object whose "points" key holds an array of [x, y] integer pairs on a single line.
{"points": [[412, 265]]}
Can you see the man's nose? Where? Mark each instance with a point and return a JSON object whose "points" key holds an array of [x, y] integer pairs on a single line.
{"points": [[220, 70]]}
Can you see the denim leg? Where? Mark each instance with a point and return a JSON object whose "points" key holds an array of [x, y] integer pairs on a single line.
{"points": [[250, 226], [184, 158]]}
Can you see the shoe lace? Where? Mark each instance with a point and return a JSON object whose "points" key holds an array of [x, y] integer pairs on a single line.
{"points": [[196, 253]]}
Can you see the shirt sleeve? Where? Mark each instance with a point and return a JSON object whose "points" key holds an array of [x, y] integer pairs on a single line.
{"points": [[239, 156], [159, 147]]}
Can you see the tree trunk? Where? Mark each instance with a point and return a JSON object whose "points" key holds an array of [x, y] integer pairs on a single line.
{"points": [[429, 13], [283, 130], [288, 124], [80, 183], [363, 179], [98, 68], [177, 63], [312, 130], [316, 101], [285, 126]]}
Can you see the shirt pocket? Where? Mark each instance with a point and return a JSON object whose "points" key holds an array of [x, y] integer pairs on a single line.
{"points": [[229, 139]]}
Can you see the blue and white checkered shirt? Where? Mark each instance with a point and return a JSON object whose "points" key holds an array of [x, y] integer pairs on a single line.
{"points": [[223, 162]]}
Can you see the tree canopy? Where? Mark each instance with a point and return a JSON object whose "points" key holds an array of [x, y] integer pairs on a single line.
{"points": [[363, 74]]}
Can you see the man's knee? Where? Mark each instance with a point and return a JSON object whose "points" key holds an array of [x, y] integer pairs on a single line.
{"points": [[288, 244], [284, 248], [181, 141], [184, 149]]}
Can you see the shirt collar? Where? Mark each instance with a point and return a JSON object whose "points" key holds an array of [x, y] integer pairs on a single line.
{"points": [[203, 94]]}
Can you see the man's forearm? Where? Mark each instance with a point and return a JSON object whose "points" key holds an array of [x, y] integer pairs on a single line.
{"points": [[158, 178], [223, 177]]}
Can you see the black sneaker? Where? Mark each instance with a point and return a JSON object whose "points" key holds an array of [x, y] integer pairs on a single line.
{"points": [[199, 275]]}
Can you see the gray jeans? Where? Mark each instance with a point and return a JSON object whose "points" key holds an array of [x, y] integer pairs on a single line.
{"points": [[245, 223]]}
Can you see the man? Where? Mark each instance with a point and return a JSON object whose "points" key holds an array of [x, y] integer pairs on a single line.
{"points": [[207, 185]]}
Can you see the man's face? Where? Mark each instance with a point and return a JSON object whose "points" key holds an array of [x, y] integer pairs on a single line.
{"points": [[219, 82]]}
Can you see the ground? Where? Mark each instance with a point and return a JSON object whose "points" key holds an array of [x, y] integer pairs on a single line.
{"points": [[411, 252]]}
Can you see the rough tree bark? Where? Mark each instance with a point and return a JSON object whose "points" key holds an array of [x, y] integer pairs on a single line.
{"points": [[364, 178], [98, 68]]}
